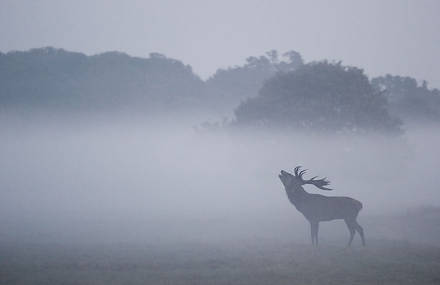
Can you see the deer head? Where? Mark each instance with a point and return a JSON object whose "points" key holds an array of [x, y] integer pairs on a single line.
{"points": [[291, 181]]}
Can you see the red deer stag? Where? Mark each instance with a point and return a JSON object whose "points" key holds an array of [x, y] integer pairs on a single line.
{"points": [[317, 208]]}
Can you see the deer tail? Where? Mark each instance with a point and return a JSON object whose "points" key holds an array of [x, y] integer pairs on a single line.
{"points": [[358, 205]]}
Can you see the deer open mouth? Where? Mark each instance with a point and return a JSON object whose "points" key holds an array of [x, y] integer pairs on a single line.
{"points": [[282, 174]]}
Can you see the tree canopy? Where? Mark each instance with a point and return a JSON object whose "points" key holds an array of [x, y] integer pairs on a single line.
{"points": [[227, 87], [271, 90], [409, 100], [54, 78], [319, 96]]}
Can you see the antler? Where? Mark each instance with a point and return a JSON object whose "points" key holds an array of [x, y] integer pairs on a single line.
{"points": [[319, 183], [299, 173]]}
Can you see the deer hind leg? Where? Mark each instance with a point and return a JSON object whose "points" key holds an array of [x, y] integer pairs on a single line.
{"points": [[316, 233], [360, 230], [351, 229]]}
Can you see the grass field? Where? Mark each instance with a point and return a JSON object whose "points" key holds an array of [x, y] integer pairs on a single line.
{"points": [[127, 203], [252, 262]]}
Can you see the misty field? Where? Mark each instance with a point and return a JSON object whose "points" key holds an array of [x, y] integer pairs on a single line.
{"points": [[130, 202], [382, 262]]}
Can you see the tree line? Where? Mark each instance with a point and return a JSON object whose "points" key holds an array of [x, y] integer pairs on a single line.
{"points": [[272, 90]]}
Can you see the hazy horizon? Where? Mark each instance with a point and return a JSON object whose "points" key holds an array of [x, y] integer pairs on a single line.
{"points": [[215, 35]]}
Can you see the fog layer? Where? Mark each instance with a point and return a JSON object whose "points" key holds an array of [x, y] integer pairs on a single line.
{"points": [[135, 180]]}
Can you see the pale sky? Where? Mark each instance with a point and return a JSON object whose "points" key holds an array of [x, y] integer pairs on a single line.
{"points": [[382, 36]]}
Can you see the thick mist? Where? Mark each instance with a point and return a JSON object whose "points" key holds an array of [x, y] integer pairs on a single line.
{"points": [[126, 179]]}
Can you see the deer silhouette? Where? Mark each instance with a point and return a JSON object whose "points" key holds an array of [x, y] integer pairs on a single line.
{"points": [[317, 208]]}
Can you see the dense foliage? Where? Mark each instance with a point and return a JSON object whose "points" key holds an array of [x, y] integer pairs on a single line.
{"points": [[321, 96], [55, 78], [409, 100], [229, 86], [269, 90]]}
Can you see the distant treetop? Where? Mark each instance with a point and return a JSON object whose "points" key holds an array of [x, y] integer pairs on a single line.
{"points": [[319, 96], [409, 100], [227, 87]]}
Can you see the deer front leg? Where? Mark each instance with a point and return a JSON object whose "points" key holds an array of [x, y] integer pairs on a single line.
{"points": [[314, 232]]}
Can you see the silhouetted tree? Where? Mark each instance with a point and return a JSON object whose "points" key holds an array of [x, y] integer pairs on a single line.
{"points": [[52, 78], [319, 96], [227, 87], [409, 100]]}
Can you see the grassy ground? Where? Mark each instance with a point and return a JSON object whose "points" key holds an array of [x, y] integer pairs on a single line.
{"points": [[382, 262]]}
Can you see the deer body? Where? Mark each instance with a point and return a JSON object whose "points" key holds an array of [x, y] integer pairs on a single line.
{"points": [[317, 208]]}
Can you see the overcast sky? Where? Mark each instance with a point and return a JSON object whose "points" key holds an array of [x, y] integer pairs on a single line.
{"points": [[398, 37]]}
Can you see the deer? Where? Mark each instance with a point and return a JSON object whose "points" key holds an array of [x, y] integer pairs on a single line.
{"points": [[319, 208]]}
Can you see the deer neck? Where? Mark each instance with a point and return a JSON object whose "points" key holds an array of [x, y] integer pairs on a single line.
{"points": [[296, 196]]}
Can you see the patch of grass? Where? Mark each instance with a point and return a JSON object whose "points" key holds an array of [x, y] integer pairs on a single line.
{"points": [[382, 262]]}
